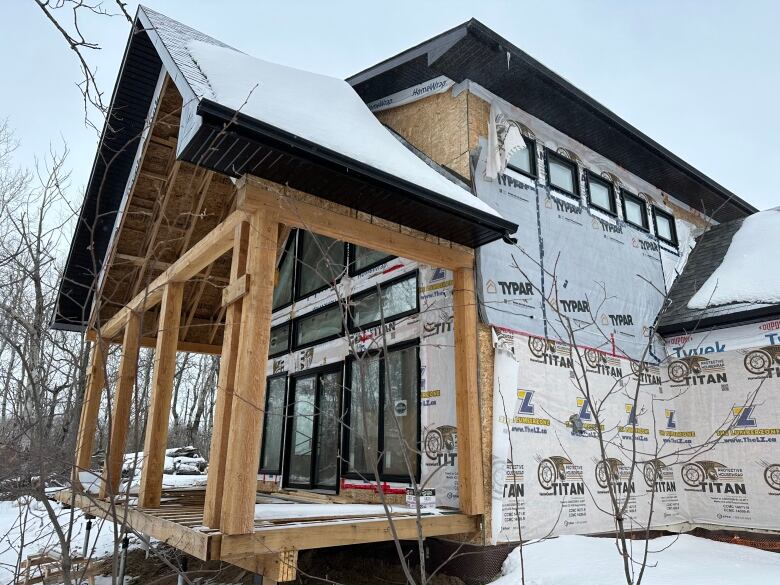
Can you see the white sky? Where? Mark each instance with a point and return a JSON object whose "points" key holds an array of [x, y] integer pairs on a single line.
{"points": [[699, 77]]}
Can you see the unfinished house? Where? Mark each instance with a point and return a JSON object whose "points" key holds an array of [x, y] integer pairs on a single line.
{"points": [[398, 272]]}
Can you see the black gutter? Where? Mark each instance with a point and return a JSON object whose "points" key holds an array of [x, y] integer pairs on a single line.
{"points": [[719, 321]]}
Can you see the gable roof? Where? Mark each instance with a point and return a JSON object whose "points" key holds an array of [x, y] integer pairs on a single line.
{"points": [[704, 259], [473, 51]]}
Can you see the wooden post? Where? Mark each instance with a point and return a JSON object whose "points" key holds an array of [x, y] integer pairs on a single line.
{"points": [[123, 399], [227, 371], [246, 424], [96, 381], [162, 389], [466, 399]]}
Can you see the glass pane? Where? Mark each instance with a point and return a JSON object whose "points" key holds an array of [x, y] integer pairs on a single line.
{"points": [[561, 175], [635, 213], [320, 263], [364, 415], [302, 430], [318, 326], [284, 278], [273, 426], [600, 195], [401, 413], [280, 339], [328, 431], [396, 299], [664, 227], [363, 257], [521, 160]]}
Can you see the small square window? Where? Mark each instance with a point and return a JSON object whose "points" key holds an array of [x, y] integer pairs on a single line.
{"points": [[634, 210], [524, 161], [601, 195], [664, 226], [321, 325], [362, 259], [562, 174], [279, 342]]}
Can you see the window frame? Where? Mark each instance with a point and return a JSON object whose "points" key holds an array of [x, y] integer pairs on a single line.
{"points": [[548, 154], [530, 144], [297, 295], [290, 247], [346, 403], [660, 212], [353, 328], [353, 271], [624, 195], [282, 443], [296, 324], [286, 350], [590, 176]]}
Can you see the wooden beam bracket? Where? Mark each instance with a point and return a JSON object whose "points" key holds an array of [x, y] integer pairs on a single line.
{"points": [[235, 291]]}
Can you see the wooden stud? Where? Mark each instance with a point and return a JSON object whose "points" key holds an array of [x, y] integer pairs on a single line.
{"points": [[224, 402], [235, 290], [464, 301], [246, 425], [161, 394], [123, 399], [96, 381]]}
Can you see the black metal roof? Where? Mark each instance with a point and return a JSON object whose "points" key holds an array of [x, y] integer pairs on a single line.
{"points": [[708, 254], [473, 52]]}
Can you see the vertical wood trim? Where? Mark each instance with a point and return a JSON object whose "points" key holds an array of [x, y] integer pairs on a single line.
{"points": [[90, 408], [246, 425], [160, 403], [466, 397], [227, 371], [123, 399]]}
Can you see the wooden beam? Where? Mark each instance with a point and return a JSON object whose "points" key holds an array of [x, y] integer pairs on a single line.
{"points": [[318, 217], [464, 302], [246, 425], [95, 382], [215, 244], [160, 404], [188, 346], [123, 399], [235, 291], [275, 568], [224, 403]]}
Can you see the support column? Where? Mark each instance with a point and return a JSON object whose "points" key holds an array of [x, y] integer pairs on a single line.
{"points": [[246, 424], [466, 398], [227, 371], [160, 404], [96, 381], [123, 399]]}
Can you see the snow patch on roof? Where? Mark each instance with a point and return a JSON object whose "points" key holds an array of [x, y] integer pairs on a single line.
{"points": [[750, 271], [321, 109]]}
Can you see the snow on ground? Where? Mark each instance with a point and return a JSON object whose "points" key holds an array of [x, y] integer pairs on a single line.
{"points": [[750, 271], [687, 560], [321, 109], [279, 511]]}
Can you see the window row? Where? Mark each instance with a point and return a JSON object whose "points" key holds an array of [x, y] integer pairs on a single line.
{"points": [[562, 175], [387, 302], [317, 428], [311, 263]]}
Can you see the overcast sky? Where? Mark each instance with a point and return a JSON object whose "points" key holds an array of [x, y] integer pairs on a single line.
{"points": [[701, 78]]}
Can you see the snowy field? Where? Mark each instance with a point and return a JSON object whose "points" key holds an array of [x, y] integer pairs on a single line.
{"points": [[683, 560]]}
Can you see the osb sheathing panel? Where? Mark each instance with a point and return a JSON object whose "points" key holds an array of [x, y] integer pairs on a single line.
{"points": [[437, 125], [478, 117]]}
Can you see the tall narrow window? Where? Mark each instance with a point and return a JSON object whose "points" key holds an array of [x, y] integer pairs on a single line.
{"points": [[634, 210], [283, 289], [562, 174], [320, 262], [664, 226], [273, 425], [601, 195], [524, 161]]}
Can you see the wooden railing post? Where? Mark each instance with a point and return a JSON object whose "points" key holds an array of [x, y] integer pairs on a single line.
{"points": [[464, 302], [123, 399], [224, 403], [246, 424], [160, 403], [90, 408]]}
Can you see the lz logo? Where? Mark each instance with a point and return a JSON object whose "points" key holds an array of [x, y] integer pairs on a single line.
{"points": [[743, 416], [585, 413], [631, 410], [525, 396], [671, 423]]}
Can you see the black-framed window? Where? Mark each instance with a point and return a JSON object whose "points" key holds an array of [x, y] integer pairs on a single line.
{"points": [[318, 326], [395, 299], [664, 226], [362, 259], [320, 263], [562, 174], [634, 210], [283, 289], [601, 194], [279, 342], [524, 161], [273, 424], [382, 412]]}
